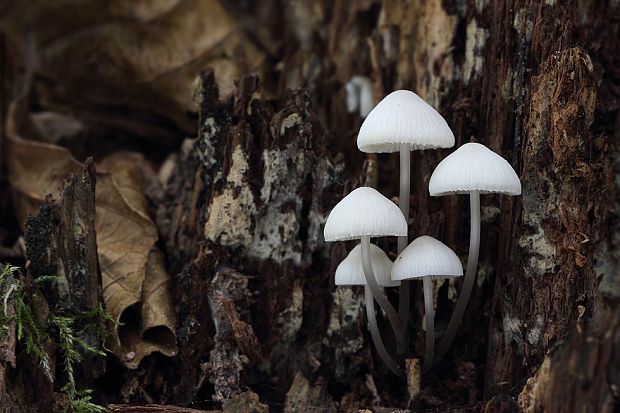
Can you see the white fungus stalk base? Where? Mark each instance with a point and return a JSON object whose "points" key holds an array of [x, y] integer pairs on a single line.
{"points": [[376, 336], [378, 295], [403, 201], [470, 274], [430, 323]]}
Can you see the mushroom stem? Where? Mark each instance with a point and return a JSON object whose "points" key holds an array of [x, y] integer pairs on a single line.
{"points": [[378, 295], [376, 336], [403, 201], [470, 274], [430, 322]]}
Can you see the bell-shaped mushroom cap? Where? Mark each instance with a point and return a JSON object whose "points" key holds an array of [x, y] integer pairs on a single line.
{"points": [[364, 212], [426, 256], [474, 167], [351, 272], [402, 117]]}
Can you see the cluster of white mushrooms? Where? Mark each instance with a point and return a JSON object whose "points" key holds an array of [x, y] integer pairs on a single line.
{"points": [[403, 122]]}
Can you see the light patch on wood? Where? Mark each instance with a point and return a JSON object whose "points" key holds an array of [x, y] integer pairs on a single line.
{"points": [[239, 167], [347, 309], [480, 5], [512, 329], [434, 35], [509, 85], [414, 375], [230, 218], [534, 390], [543, 258], [274, 234], [474, 43], [291, 318], [534, 334], [521, 23], [277, 228], [484, 274], [290, 121]]}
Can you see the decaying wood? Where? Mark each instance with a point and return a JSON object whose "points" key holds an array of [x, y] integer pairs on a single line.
{"points": [[245, 200], [77, 243], [304, 397]]}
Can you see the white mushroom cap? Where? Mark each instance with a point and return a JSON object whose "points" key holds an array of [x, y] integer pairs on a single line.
{"points": [[364, 212], [402, 117], [426, 256], [359, 95], [351, 272], [474, 167]]}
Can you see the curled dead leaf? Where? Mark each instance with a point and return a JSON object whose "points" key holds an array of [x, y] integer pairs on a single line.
{"points": [[134, 278]]}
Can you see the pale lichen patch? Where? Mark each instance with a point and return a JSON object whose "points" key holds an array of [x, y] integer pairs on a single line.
{"points": [[275, 235], [275, 232], [231, 211]]}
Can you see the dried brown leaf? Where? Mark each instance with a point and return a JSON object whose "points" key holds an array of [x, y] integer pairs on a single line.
{"points": [[141, 54], [132, 269]]}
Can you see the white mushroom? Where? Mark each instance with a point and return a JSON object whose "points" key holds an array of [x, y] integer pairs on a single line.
{"points": [[359, 95], [427, 258], [362, 214], [403, 122], [473, 168], [351, 272]]}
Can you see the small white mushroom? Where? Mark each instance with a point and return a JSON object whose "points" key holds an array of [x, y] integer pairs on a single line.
{"points": [[473, 168], [362, 214], [427, 258], [351, 272]]}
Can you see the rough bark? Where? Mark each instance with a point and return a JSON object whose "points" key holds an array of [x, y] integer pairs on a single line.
{"points": [[245, 200]]}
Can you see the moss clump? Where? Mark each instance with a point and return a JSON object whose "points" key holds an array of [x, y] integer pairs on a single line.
{"points": [[34, 331]]}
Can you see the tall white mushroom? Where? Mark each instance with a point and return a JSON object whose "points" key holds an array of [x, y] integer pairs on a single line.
{"points": [[475, 169], [362, 214], [403, 122], [351, 272], [429, 259]]}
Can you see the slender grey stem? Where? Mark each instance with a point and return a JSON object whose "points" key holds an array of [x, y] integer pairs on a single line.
{"points": [[430, 323], [391, 313], [403, 201], [376, 336], [470, 274]]}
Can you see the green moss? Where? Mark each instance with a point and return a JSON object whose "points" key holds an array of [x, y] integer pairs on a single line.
{"points": [[35, 334]]}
